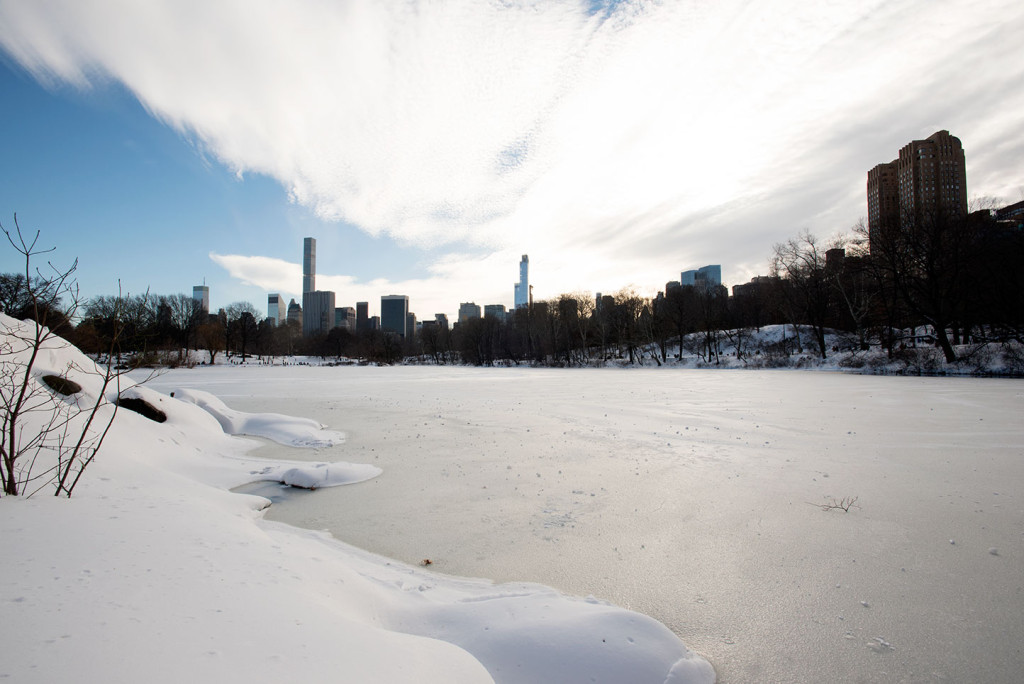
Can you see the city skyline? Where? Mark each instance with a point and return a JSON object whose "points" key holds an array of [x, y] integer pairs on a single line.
{"points": [[613, 142]]}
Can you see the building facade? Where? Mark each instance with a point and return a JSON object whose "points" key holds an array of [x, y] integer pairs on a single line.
{"points": [[521, 296], [345, 317], [495, 311], [926, 182], [468, 310], [705, 276], [308, 265], [883, 199], [276, 312], [294, 312], [317, 312], [362, 316], [394, 313], [201, 294], [1012, 213]]}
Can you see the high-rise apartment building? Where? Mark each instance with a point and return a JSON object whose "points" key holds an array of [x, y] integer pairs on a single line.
{"points": [[275, 308], [468, 310], [394, 312], [362, 316], [317, 312], [410, 325], [883, 199], [926, 182], [201, 294], [441, 320], [522, 288], [308, 265]]}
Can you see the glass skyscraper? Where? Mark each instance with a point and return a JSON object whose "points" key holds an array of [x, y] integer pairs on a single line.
{"points": [[394, 314], [522, 290]]}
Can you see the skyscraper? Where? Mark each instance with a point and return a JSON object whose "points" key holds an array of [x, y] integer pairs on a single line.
{"points": [[201, 294], [317, 312], [927, 182], [294, 312], [394, 313], [522, 289], [883, 199], [362, 316], [308, 265], [275, 308]]}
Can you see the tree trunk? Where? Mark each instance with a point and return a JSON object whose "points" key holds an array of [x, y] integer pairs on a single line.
{"points": [[942, 341]]}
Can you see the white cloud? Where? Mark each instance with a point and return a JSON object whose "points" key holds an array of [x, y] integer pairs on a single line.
{"points": [[268, 273], [611, 148]]}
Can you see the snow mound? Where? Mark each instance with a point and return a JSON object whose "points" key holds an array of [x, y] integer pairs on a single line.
{"points": [[287, 430], [316, 475]]}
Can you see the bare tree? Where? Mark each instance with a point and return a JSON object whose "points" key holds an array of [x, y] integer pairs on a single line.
{"points": [[800, 263], [629, 306], [210, 336], [584, 320], [711, 302], [47, 415], [13, 293], [242, 325], [931, 259], [186, 312]]}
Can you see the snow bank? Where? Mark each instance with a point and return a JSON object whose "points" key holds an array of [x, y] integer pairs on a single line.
{"points": [[154, 572], [287, 430]]}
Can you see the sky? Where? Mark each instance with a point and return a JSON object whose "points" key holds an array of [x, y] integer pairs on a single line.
{"points": [[428, 145]]}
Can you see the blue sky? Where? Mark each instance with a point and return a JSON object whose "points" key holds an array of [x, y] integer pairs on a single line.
{"points": [[427, 145], [137, 202]]}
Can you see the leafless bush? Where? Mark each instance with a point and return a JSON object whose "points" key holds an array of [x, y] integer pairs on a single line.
{"points": [[48, 424], [833, 504]]}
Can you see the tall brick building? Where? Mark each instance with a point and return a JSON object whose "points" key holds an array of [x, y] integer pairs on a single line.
{"points": [[927, 181]]}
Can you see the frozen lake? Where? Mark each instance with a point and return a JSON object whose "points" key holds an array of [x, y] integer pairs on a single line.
{"points": [[691, 496]]}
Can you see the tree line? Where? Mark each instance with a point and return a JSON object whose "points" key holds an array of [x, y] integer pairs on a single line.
{"points": [[959, 276]]}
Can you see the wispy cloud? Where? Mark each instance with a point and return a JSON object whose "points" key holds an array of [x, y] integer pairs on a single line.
{"points": [[613, 142], [268, 273]]}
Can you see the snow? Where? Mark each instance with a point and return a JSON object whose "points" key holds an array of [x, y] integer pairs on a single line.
{"points": [[287, 430], [153, 571]]}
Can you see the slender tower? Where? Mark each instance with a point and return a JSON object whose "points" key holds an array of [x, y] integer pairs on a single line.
{"points": [[309, 265], [522, 289]]}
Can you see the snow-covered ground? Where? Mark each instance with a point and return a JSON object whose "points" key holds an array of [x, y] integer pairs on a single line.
{"points": [[693, 497], [154, 572]]}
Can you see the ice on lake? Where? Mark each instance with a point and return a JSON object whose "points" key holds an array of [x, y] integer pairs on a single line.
{"points": [[695, 497]]}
